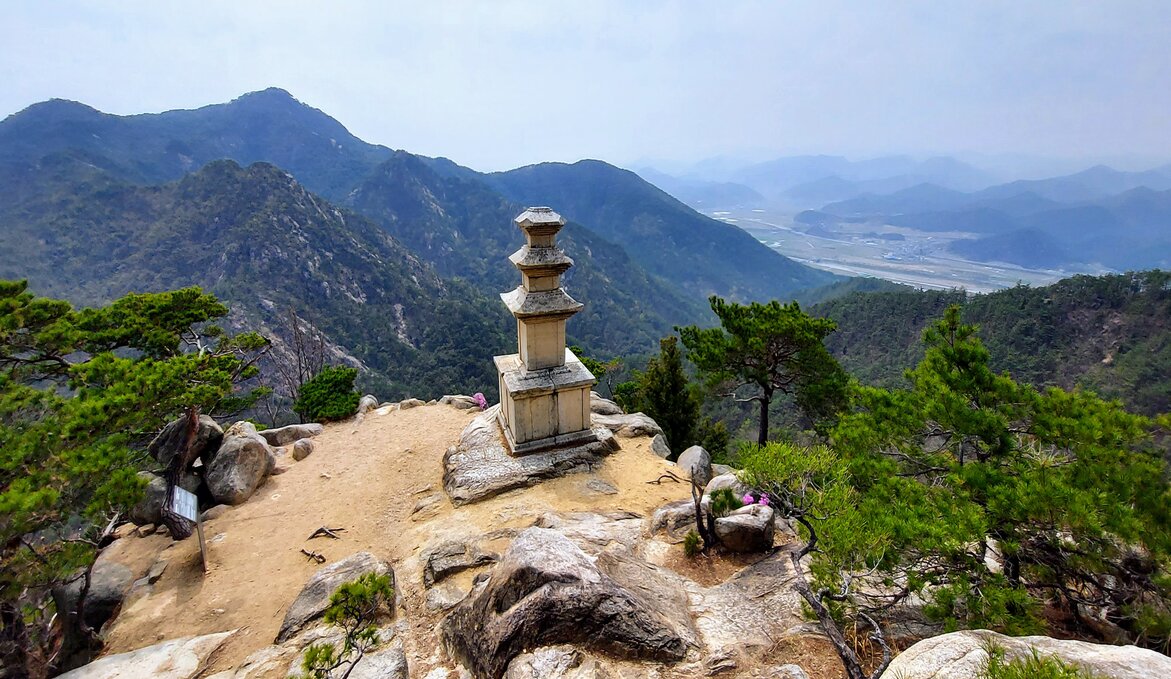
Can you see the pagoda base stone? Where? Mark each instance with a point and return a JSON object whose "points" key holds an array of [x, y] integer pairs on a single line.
{"points": [[481, 466], [547, 408]]}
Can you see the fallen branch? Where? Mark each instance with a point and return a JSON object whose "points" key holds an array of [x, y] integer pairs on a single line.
{"points": [[319, 558], [667, 475], [324, 532]]}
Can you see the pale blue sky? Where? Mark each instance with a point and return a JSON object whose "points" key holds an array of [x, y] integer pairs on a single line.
{"points": [[499, 84]]}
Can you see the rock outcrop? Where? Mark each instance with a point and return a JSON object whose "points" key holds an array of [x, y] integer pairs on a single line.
{"points": [[240, 465], [547, 591], [480, 466], [964, 655], [311, 603], [182, 658], [283, 436], [601, 406], [173, 439]]}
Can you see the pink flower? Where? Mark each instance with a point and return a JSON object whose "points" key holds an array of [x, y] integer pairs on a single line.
{"points": [[747, 499], [480, 400], [764, 500]]}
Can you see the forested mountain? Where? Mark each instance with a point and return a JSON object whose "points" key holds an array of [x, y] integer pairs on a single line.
{"points": [[260, 241], [1110, 333], [269, 126], [645, 262], [465, 229], [702, 255]]}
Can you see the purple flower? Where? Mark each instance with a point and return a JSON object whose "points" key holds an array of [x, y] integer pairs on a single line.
{"points": [[480, 400], [764, 500], [747, 499]]}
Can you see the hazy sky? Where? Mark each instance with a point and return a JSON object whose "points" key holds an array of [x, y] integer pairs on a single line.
{"points": [[499, 84]]}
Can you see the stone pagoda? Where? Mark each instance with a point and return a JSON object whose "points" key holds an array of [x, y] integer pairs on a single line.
{"points": [[544, 389]]}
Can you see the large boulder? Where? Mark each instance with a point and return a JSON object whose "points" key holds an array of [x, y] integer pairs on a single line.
{"points": [[149, 509], [283, 436], [311, 603], [697, 464], [964, 655], [451, 557], [173, 439], [628, 426], [748, 529], [181, 658], [240, 466], [481, 467], [547, 591]]}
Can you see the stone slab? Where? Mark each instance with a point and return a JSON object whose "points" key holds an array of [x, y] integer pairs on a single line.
{"points": [[480, 466]]}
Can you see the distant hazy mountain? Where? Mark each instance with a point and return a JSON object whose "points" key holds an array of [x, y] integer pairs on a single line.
{"points": [[1038, 223], [791, 178], [703, 195]]}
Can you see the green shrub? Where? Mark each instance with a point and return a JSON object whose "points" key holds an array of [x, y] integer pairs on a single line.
{"points": [[691, 544], [329, 395], [1034, 667], [724, 502]]}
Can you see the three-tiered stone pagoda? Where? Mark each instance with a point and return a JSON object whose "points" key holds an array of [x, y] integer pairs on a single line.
{"points": [[544, 388]]}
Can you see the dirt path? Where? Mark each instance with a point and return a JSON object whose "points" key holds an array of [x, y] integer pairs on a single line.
{"points": [[365, 477]]}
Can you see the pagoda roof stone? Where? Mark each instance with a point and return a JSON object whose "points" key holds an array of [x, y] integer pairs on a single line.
{"points": [[527, 258], [551, 304]]}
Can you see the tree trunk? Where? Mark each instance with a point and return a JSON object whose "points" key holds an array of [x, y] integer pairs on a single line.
{"points": [[849, 658], [14, 643], [762, 438]]}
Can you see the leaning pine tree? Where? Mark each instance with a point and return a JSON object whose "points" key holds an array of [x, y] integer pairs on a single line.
{"points": [[81, 393]]}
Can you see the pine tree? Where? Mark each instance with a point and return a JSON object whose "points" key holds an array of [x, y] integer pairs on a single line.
{"points": [[81, 393], [765, 349], [667, 396]]}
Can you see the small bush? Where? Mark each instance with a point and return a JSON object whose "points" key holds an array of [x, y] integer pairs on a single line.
{"points": [[691, 546], [724, 502], [1034, 667], [355, 607], [329, 395]]}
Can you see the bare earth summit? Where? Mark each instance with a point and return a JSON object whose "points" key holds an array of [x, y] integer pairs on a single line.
{"points": [[367, 476]]}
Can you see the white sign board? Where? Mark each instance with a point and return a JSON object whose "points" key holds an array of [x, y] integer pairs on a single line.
{"points": [[185, 504]]}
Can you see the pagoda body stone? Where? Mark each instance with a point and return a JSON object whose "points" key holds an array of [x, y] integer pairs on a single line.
{"points": [[544, 388]]}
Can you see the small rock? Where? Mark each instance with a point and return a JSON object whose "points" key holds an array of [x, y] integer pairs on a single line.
{"points": [[147, 530], [366, 404], [659, 446], [748, 529], [390, 663], [721, 469], [303, 448], [156, 572], [697, 464], [602, 406], [214, 512], [452, 557], [410, 403], [460, 402], [601, 487], [149, 509], [282, 461], [283, 436], [676, 519], [628, 426], [427, 505], [789, 671], [444, 597]]}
